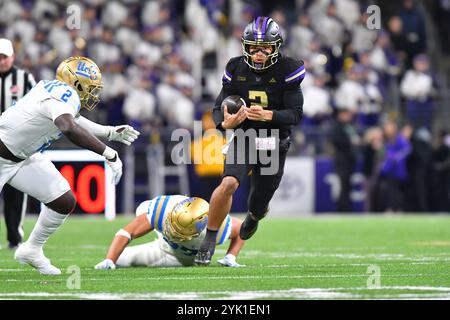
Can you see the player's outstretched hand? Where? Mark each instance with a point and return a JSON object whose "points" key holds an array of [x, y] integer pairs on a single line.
{"points": [[106, 264], [125, 134], [116, 167], [231, 121], [230, 261]]}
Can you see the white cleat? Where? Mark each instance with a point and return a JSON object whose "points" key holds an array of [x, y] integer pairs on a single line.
{"points": [[35, 257]]}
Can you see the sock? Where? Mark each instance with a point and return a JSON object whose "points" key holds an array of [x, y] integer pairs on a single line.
{"points": [[210, 240], [48, 222], [211, 235]]}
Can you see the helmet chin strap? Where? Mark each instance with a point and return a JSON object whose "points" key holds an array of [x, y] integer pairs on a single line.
{"points": [[259, 67]]}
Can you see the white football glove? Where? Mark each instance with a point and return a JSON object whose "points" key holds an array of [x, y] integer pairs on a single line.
{"points": [[116, 167], [230, 261], [106, 264], [124, 134]]}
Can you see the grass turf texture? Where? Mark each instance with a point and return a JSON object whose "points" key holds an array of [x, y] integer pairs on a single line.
{"points": [[326, 257]]}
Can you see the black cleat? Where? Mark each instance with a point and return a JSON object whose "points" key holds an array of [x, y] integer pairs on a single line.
{"points": [[248, 228], [203, 258]]}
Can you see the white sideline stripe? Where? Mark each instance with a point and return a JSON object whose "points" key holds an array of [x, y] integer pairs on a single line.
{"points": [[305, 293]]}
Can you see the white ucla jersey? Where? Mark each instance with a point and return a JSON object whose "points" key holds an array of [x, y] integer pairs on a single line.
{"points": [[27, 127], [157, 211]]}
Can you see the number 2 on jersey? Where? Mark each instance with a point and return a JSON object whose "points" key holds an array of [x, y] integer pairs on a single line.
{"points": [[258, 98], [66, 95]]}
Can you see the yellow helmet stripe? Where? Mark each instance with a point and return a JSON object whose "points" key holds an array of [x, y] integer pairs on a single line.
{"points": [[157, 214], [155, 207], [162, 212]]}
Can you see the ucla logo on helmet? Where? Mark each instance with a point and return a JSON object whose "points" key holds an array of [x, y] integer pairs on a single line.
{"points": [[200, 225], [84, 70]]}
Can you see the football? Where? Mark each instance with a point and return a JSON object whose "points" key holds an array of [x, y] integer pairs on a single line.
{"points": [[233, 103]]}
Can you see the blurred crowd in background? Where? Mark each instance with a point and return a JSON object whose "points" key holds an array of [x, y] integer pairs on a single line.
{"points": [[162, 62]]}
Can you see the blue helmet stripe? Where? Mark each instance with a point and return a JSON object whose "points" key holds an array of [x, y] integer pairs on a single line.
{"points": [[162, 212], [264, 26], [154, 211], [255, 28]]}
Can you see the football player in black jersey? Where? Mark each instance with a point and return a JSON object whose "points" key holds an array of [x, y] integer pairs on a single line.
{"points": [[270, 85]]}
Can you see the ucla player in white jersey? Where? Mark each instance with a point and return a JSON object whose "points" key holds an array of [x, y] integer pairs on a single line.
{"points": [[48, 111], [180, 223]]}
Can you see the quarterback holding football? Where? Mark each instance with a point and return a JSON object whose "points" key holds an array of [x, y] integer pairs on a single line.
{"points": [[179, 222], [269, 84], [48, 111]]}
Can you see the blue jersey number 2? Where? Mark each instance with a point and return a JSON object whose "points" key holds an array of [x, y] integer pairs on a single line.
{"points": [[66, 96]]}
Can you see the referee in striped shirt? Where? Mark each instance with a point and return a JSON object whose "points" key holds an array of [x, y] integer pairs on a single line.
{"points": [[14, 84]]}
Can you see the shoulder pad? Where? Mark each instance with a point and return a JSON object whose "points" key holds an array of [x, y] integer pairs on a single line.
{"points": [[63, 92], [230, 68], [294, 70]]}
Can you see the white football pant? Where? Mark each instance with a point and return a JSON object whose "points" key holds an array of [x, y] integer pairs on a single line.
{"points": [[35, 176], [148, 255]]}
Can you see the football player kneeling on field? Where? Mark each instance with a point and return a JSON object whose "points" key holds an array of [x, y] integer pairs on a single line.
{"points": [[180, 223]]}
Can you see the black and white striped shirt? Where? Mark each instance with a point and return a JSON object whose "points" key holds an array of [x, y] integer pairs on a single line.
{"points": [[13, 86]]}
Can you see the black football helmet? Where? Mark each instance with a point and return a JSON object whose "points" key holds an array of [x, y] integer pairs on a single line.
{"points": [[262, 31]]}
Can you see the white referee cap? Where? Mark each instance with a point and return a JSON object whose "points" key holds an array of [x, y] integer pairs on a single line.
{"points": [[6, 47]]}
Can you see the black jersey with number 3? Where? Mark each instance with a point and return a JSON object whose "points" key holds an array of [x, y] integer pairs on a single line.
{"points": [[276, 88]]}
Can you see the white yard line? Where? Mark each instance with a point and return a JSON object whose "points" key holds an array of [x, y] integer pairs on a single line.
{"points": [[443, 257], [201, 277], [295, 293]]}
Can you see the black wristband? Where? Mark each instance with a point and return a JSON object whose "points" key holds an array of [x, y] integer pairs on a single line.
{"points": [[220, 127]]}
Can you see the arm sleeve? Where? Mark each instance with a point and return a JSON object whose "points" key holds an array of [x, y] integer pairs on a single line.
{"points": [[293, 112], [94, 128]]}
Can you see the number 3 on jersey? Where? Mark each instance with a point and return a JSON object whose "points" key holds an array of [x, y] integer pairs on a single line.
{"points": [[258, 98]]}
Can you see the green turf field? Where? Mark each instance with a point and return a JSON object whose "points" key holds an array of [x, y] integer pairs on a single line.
{"points": [[325, 257]]}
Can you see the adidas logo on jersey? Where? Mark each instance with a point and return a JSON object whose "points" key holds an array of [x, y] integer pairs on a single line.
{"points": [[272, 80]]}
